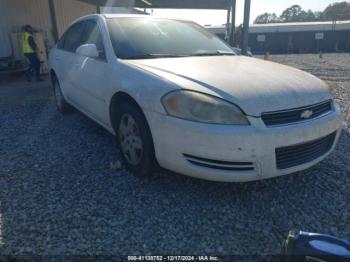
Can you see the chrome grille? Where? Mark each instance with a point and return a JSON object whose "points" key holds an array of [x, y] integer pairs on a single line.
{"points": [[296, 114], [291, 156]]}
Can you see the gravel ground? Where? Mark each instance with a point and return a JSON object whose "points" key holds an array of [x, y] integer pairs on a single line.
{"points": [[60, 195]]}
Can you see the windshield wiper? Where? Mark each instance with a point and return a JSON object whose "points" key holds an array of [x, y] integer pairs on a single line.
{"points": [[150, 56], [218, 53]]}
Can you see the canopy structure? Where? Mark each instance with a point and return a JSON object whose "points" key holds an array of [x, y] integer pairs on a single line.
{"points": [[173, 4], [229, 5]]}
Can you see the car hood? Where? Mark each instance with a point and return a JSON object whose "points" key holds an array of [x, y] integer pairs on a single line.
{"points": [[255, 85]]}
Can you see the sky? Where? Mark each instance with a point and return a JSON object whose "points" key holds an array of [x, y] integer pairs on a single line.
{"points": [[217, 17]]}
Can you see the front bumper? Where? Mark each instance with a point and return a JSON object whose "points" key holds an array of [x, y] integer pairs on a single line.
{"points": [[174, 138]]}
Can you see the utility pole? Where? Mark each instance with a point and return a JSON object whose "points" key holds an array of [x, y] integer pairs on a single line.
{"points": [[53, 18], [233, 23], [245, 36], [227, 36]]}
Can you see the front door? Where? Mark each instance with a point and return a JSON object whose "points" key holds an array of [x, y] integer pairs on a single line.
{"points": [[64, 57], [92, 76]]}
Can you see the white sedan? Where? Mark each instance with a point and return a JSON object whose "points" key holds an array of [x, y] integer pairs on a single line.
{"points": [[177, 96]]}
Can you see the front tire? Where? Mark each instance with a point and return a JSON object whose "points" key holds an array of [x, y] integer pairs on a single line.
{"points": [[135, 140], [61, 102]]}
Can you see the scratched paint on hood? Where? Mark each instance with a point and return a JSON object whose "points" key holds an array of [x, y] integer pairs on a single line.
{"points": [[255, 85]]}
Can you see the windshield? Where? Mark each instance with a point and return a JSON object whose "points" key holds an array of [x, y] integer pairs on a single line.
{"points": [[136, 38]]}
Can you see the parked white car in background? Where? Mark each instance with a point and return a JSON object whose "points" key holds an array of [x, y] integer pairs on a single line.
{"points": [[176, 95]]}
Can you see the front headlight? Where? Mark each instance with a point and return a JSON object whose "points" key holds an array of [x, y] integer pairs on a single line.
{"points": [[326, 85], [195, 106]]}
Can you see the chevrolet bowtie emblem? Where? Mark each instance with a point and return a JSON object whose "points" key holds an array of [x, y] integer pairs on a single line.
{"points": [[306, 114]]}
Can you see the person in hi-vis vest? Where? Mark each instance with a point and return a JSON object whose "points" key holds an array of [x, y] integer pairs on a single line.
{"points": [[30, 50]]}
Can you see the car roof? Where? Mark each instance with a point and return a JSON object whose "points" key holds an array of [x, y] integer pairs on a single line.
{"points": [[109, 16], [124, 15], [112, 16]]}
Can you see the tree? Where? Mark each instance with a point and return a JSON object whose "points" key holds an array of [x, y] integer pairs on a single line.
{"points": [[337, 11], [266, 18], [318, 15], [293, 14], [310, 16]]}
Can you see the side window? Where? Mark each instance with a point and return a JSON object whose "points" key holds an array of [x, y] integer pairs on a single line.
{"points": [[72, 38], [92, 35], [60, 42]]}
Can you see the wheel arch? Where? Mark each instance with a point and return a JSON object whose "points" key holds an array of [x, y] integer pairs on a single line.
{"points": [[115, 102], [120, 98], [53, 76]]}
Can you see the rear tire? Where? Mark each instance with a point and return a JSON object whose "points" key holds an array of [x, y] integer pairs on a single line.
{"points": [[61, 102], [135, 140]]}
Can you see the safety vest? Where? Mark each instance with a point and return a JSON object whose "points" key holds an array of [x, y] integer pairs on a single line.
{"points": [[26, 48]]}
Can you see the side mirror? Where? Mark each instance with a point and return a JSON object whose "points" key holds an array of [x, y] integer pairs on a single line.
{"points": [[88, 50]]}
